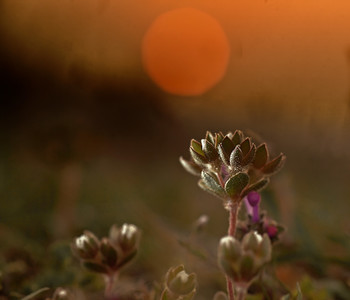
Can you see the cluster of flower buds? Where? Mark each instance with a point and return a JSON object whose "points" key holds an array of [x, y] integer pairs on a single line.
{"points": [[179, 285], [242, 260], [258, 221], [231, 165], [109, 254]]}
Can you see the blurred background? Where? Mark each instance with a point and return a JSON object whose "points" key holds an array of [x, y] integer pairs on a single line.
{"points": [[99, 98]]}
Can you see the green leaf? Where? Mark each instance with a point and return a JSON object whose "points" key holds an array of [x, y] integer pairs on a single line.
{"points": [[209, 150], [197, 147], [211, 182], [190, 167], [237, 137], [235, 185], [227, 145], [236, 158], [223, 155], [246, 146], [257, 186], [274, 165], [218, 138], [261, 156], [198, 158], [210, 137], [249, 156]]}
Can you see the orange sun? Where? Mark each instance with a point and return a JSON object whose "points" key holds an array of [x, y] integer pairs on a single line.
{"points": [[185, 52]]}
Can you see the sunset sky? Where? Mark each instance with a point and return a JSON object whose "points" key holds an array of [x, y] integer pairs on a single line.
{"points": [[290, 55]]}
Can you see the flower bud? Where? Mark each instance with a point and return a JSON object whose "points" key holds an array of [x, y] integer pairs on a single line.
{"points": [[243, 260], [251, 241], [109, 253], [86, 246], [128, 237], [253, 198], [229, 249], [179, 282]]}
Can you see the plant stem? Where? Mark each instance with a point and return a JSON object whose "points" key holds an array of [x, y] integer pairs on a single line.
{"points": [[233, 218], [231, 232], [230, 292], [109, 281], [241, 290]]}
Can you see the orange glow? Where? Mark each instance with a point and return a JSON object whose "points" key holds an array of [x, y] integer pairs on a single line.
{"points": [[185, 52]]}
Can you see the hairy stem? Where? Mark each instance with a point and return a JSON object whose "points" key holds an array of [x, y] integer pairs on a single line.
{"points": [[241, 290], [109, 282], [231, 232], [230, 291], [233, 218]]}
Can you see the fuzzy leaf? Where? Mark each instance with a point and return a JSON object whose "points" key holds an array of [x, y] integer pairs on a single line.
{"points": [[236, 158], [190, 167], [274, 165], [257, 186], [237, 137], [235, 185], [198, 158], [212, 183], [261, 156], [246, 146], [209, 150], [227, 145], [218, 138], [210, 137], [223, 155], [197, 147], [249, 156]]}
